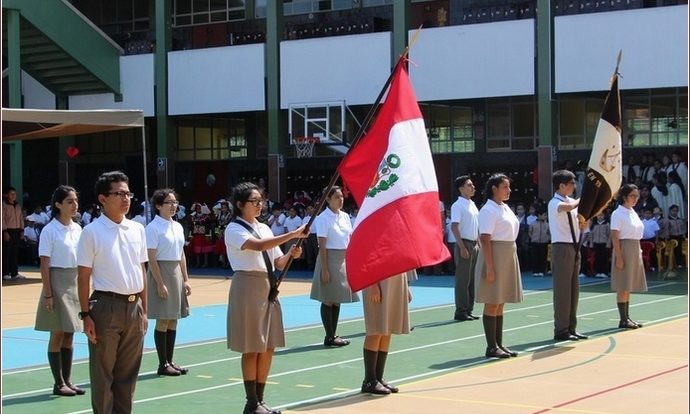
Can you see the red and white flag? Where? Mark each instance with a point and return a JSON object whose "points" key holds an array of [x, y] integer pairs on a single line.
{"points": [[390, 174]]}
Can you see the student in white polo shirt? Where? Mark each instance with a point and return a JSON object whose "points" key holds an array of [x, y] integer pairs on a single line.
{"points": [[112, 254], [565, 236], [168, 280], [627, 268], [59, 303], [498, 270], [464, 219]]}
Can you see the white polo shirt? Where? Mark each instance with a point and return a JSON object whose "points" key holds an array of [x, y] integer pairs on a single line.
{"points": [[278, 226], [293, 223], [59, 243], [312, 229], [166, 237], [248, 260], [499, 221], [628, 223], [651, 227], [558, 222], [465, 213], [114, 252], [336, 228]]}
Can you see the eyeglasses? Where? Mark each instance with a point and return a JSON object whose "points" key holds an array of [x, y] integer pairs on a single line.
{"points": [[256, 202], [122, 194], [171, 203]]}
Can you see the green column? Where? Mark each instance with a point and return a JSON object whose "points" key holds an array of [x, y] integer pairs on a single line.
{"points": [[14, 71], [165, 132], [546, 104], [276, 126], [66, 165], [401, 24]]}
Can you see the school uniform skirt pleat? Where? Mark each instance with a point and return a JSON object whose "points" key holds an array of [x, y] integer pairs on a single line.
{"points": [[391, 315], [507, 286], [254, 323], [64, 315], [176, 305], [337, 290], [632, 276]]}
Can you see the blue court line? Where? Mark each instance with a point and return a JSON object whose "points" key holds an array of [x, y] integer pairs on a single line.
{"points": [[25, 347]]}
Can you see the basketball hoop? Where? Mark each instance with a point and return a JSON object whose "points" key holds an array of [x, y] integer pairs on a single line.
{"points": [[304, 146]]}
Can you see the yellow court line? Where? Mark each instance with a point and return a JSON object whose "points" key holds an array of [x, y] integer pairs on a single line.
{"points": [[204, 376], [304, 386]]}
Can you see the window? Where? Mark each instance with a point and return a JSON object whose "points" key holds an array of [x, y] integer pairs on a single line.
{"points": [[655, 118], [450, 129], [193, 12], [211, 139]]}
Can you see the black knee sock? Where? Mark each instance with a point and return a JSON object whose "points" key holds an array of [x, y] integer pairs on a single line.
{"points": [[160, 338], [170, 348], [250, 390], [327, 320], [370, 360], [55, 361], [335, 315], [380, 364], [490, 330], [623, 310], [499, 330], [260, 387], [66, 359]]}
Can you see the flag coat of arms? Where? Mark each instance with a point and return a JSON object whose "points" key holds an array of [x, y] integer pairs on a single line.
{"points": [[604, 172], [390, 174]]}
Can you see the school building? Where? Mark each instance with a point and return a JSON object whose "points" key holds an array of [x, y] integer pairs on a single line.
{"points": [[231, 88]]}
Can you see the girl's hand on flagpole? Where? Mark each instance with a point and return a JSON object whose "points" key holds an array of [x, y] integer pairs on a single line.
{"points": [[295, 251], [300, 233]]}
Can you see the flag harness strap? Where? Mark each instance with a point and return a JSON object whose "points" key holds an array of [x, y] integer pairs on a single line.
{"points": [[264, 253]]}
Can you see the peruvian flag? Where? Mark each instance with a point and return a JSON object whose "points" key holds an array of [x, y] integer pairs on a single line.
{"points": [[391, 176]]}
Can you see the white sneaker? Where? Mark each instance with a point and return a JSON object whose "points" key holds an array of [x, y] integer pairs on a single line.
{"points": [[6, 277], [538, 274], [18, 277], [582, 275], [601, 275]]}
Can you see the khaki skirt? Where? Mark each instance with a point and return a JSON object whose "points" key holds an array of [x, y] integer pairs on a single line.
{"points": [[254, 324], [507, 286], [337, 290], [176, 305], [391, 315], [64, 316], [631, 277]]}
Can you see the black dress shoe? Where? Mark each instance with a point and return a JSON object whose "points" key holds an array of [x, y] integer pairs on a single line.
{"points": [[183, 370], [508, 351], [76, 389], [270, 410], [374, 387], [639, 325], [335, 341], [627, 324], [63, 390], [168, 371], [565, 336], [496, 352], [392, 388], [579, 335], [463, 317]]}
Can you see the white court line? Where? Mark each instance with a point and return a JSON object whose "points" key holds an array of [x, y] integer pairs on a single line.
{"points": [[284, 350], [432, 373], [296, 329]]}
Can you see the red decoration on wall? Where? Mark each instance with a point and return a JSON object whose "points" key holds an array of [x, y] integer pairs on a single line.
{"points": [[72, 152]]}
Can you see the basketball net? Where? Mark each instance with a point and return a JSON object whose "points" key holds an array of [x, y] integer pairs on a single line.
{"points": [[304, 146]]}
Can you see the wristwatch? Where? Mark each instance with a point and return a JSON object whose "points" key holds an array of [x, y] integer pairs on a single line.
{"points": [[83, 315]]}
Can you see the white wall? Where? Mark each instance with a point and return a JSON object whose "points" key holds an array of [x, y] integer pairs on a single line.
{"points": [[36, 96], [136, 86], [350, 68], [220, 79], [471, 61], [654, 43]]}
